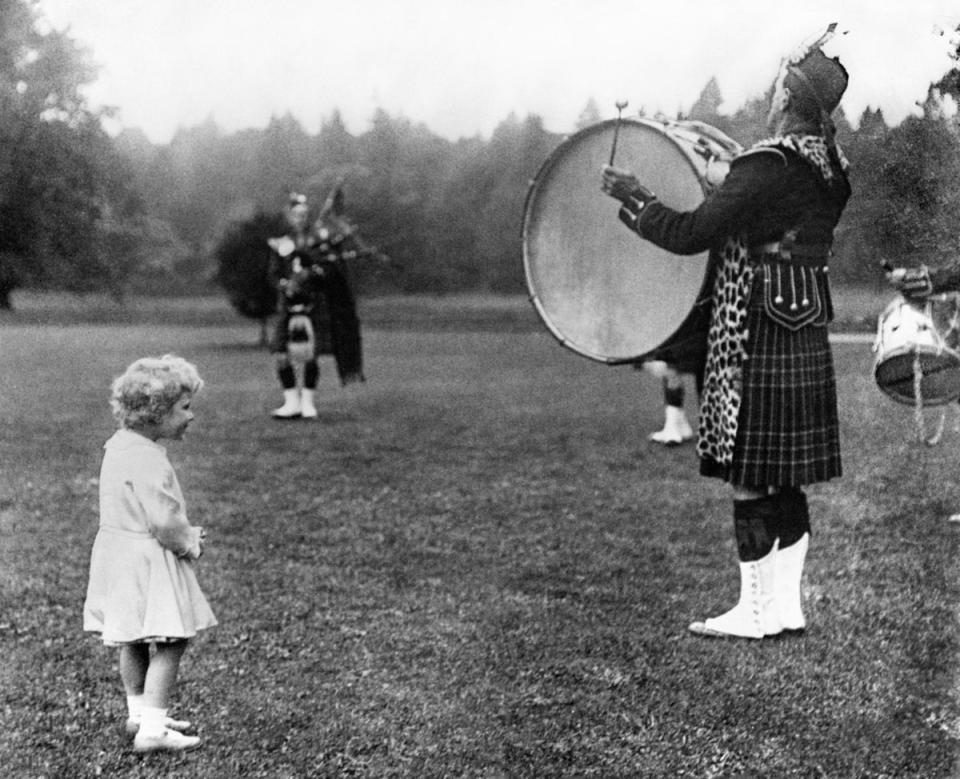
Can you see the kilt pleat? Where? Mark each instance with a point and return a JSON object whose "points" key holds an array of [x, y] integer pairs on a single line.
{"points": [[788, 428]]}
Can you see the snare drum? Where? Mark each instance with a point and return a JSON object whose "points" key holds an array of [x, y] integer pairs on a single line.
{"points": [[924, 334]]}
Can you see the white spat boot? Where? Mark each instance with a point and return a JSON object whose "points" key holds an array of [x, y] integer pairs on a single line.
{"points": [[786, 585], [307, 408], [676, 428], [755, 614], [291, 405]]}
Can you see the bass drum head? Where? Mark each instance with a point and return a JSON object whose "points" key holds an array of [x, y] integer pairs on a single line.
{"points": [[600, 289]]}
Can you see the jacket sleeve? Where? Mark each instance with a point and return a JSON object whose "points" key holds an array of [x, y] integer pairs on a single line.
{"points": [[753, 178], [166, 515], [945, 278]]}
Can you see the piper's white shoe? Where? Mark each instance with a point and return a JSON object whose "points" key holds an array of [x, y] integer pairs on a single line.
{"points": [[133, 725], [167, 741], [307, 408], [786, 584], [291, 405], [676, 428], [755, 614]]}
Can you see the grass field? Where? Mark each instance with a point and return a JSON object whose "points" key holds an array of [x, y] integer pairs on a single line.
{"points": [[473, 565]]}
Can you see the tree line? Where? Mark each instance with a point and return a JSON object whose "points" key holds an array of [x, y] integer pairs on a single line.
{"points": [[83, 211]]}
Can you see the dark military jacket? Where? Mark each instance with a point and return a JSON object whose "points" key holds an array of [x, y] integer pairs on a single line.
{"points": [[946, 278], [768, 192]]}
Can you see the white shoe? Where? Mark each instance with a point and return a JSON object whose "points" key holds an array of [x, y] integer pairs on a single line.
{"points": [[754, 616], [307, 409], [291, 405], [676, 428], [167, 741], [786, 584], [133, 725]]}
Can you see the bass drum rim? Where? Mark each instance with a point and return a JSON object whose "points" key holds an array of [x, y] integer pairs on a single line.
{"points": [[686, 342]]}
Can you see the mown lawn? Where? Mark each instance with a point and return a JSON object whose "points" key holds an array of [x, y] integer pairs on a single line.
{"points": [[474, 565]]}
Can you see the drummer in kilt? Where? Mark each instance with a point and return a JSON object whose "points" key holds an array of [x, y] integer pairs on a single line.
{"points": [[768, 415], [676, 427]]}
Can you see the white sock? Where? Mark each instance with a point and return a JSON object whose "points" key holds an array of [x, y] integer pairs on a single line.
{"points": [[134, 706], [152, 721]]}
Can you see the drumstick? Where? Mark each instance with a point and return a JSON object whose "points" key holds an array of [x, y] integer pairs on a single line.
{"points": [[616, 129]]}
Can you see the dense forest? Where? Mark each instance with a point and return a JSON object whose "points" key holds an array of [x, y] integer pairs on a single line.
{"points": [[83, 211]]}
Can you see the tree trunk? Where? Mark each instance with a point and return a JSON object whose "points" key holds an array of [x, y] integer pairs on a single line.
{"points": [[6, 303]]}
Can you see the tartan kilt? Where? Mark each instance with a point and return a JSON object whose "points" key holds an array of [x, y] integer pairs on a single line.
{"points": [[788, 429]]}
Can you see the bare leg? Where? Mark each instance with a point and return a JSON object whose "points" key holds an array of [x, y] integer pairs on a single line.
{"points": [[157, 731], [134, 661], [162, 673]]}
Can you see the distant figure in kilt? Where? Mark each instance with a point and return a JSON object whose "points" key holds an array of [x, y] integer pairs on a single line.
{"points": [[676, 427], [768, 414], [317, 308]]}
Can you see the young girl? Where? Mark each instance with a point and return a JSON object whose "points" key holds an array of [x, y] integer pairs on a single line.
{"points": [[142, 589]]}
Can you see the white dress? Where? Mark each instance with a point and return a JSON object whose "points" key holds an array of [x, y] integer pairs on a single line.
{"points": [[142, 584]]}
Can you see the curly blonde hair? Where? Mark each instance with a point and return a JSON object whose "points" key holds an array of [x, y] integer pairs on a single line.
{"points": [[150, 388]]}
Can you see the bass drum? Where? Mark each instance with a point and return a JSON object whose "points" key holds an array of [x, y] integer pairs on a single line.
{"points": [[600, 289]]}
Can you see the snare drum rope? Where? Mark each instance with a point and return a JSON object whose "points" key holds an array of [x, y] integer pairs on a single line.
{"points": [[918, 403], [918, 386]]}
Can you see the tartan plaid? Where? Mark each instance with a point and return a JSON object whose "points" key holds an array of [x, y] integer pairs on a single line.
{"points": [[788, 430]]}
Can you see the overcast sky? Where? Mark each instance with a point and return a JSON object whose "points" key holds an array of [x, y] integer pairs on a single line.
{"points": [[462, 66]]}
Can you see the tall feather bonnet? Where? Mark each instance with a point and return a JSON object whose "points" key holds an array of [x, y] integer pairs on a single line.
{"points": [[816, 82], [812, 75]]}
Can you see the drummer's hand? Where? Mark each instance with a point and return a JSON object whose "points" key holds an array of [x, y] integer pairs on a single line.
{"points": [[618, 183], [911, 282], [625, 187]]}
